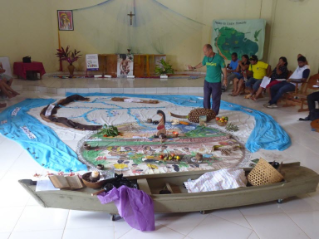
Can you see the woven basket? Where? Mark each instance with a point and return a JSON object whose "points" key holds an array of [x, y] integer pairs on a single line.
{"points": [[221, 123], [263, 173]]}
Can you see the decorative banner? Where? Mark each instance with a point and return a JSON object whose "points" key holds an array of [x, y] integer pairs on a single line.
{"points": [[240, 36], [92, 62]]}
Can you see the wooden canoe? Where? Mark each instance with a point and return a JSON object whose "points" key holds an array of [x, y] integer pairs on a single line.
{"points": [[298, 180]]}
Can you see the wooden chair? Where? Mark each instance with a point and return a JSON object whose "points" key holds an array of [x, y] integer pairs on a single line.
{"points": [[300, 97]]}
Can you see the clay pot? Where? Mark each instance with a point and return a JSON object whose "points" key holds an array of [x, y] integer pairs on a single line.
{"points": [[87, 146], [100, 166], [71, 70]]}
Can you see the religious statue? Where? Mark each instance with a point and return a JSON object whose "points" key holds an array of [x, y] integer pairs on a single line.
{"points": [[124, 65], [161, 130]]}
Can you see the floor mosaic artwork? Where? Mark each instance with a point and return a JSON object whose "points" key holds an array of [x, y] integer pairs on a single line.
{"points": [[136, 151]]}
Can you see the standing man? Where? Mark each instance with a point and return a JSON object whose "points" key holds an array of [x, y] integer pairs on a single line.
{"points": [[212, 86]]}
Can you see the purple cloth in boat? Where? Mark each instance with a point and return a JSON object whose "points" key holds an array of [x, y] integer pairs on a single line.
{"points": [[135, 206]]}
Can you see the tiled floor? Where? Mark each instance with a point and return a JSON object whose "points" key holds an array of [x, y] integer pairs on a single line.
{"points": [[50, 84], [298, 217]]}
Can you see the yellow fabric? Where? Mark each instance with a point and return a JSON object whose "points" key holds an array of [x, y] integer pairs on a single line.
{"points": [[259, 70]]}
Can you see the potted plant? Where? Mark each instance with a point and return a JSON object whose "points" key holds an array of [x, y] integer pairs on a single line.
{"points": [[164, 69], [70, 57]]}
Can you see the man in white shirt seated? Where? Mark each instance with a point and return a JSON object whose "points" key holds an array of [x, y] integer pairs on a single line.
{"points": [[300, 75]]}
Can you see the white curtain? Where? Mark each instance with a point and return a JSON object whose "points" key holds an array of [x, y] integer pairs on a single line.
{"points": [[155, 28]]}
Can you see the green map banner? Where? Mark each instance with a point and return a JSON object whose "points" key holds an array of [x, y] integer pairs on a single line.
{"points": [[240, 36]]}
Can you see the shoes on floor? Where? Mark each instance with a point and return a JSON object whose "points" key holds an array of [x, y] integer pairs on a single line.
{"points": [[266, 105], [305, 119], [273, 106]]}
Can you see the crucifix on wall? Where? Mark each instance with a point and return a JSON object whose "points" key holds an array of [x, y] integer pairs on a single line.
{"points": [[131, 15]]}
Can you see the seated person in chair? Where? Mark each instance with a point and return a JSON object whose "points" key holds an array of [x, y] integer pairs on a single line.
{"points": [[258, 69], [239, 81], [300, 75], [311, 99], [5, 83], [232, 70], [279, 73]]}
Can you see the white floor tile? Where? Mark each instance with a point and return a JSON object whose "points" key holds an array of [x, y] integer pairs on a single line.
{"points": [[183, 223], [129, 91], [172, 90], [35, 217], [253, 235], [275, 226], [80, 219], [232, 215], [315, 195], [261, 209], [52, 90], [5, 235], [139, 90], [71, 90], [82, 90], [218, 228], [94, 90], [61, 91], [159, 233], [308, 222], [47, 234], [117, 90], [9, 217], [121, 228], [150, 91], [85, 233], [9, 184], [299, 204], [106, 90], [162, 90]]}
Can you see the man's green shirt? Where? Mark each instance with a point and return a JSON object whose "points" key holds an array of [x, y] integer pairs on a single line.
{"points": [[214, 68]]}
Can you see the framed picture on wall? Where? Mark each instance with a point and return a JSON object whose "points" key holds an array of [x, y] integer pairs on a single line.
{"points": [[65, 20]]}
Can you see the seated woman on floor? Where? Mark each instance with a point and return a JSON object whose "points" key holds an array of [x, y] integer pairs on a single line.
{"points": [[300, 75], [5, 84], [280, 73], [239, 82]]}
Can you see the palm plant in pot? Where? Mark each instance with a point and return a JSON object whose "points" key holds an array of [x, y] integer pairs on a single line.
{"points": [[164, 69], [70, 57]]}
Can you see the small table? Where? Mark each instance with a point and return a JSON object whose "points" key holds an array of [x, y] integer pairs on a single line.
{"points": [[20, 69]]}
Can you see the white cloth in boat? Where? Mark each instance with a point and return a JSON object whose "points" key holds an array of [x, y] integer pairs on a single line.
{"points": [[228, 178]]}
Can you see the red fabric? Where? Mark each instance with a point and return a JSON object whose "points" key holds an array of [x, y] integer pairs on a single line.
{"points": [[20, 68], [275, 82], [160, 127]]}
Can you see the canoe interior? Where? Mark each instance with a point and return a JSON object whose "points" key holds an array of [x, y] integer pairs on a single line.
{"points": [[298, 180]]}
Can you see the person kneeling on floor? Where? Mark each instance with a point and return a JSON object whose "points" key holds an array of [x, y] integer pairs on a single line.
{"points": [[300, 75], [5, 84]]}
